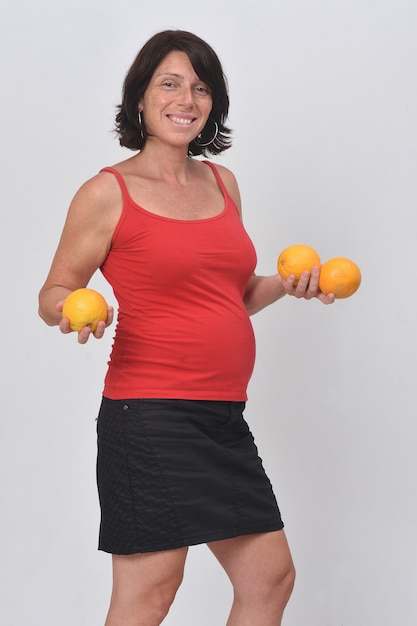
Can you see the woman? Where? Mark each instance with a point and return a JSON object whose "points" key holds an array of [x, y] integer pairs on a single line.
{"points": [[177, 464]]}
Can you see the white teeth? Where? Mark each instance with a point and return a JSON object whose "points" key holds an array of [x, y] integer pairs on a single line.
{"points": [[180, 120]]}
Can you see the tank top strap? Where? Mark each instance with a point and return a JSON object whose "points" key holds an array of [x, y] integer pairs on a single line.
{"points": [[218, 177], [120, 180]]}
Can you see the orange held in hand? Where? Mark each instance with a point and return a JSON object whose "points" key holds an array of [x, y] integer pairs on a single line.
{"points": [[84, 307], [297, 259], [340, 276]]}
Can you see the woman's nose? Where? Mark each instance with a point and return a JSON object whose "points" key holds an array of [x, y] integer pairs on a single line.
{"points": [[186, 96]]}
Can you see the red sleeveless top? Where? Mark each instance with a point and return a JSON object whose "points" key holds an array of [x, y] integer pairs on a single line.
{"points": [[182, 329]]}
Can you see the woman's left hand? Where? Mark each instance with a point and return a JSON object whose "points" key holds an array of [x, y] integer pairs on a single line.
{"points": [[307, 287]]}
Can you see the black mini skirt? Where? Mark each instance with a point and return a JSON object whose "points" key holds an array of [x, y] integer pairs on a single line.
{"points": [[174, 473]]}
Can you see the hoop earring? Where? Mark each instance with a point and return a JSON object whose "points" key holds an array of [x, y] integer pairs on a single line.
{"points": [[216, 132], [141, 126]]}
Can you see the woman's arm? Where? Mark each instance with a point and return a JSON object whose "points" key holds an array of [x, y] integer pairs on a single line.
{"points": [[83, 246], [262, 291]]}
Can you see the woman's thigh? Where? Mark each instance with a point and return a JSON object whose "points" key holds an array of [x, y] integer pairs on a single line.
{"points": [[256, 564], [139, 575]]}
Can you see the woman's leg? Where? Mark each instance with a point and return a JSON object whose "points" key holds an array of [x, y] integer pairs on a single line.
{"points": [[262, 573], [144, 587]]}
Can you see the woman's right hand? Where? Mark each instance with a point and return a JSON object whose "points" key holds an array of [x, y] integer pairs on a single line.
{"points": [[84, 333]]}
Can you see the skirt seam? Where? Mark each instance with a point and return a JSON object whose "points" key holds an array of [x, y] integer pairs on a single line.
{"points": [[145, 422], [129, 474]]}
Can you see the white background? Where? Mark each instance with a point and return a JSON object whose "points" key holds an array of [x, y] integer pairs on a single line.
{"points": [[323, 107]]}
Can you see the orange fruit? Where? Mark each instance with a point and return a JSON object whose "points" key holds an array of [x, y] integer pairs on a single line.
{"points": [[340, 276], [295, 260], [84, 307]]}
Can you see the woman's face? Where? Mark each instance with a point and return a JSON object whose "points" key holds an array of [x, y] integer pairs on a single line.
{"points": [[176, 103]]}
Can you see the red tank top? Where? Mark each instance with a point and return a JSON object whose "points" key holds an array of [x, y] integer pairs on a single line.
{"points": [[182, 329]]}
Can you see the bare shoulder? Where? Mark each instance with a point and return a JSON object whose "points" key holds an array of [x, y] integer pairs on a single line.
{"points": [[99, 191], [98, 200], [226, 174], [230, 182]]}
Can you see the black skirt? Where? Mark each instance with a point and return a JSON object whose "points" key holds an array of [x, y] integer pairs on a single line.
{"points": [[174, 473]]}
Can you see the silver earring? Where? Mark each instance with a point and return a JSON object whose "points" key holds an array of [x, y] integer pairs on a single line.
{"points": [[141, 126], [216, 132]]}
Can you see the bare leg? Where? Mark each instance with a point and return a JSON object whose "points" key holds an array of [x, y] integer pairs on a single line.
{"points": [[261, 570], [144, 587]]}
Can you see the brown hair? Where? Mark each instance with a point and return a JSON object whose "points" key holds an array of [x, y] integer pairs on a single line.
{"points": [[208, 68]]}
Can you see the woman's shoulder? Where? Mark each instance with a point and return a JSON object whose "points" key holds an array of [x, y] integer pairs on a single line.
{"points": [[223, 171], [230, 182], [99, 196], [100, 187]]}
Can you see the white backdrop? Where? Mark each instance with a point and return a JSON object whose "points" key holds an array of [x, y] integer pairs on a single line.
{"points": [[323, 100]]}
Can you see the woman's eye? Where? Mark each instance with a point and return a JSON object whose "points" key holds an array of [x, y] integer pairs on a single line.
{"points": [[202, 89]]}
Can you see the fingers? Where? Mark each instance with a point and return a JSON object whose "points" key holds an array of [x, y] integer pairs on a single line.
{"points": [[101, 326], [308, 284], [64, 326], [84, 333], [110, 315], [326, 298], [308, 287], [99, 331], [313, 283]]}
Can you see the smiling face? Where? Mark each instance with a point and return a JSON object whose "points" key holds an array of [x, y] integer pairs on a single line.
{"points": [[176, 103]]}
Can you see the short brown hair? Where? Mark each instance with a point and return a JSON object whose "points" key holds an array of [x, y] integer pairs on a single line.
{"points": [[208, 68]]}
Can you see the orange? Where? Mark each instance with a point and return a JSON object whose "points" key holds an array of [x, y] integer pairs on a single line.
{"points": [[84, 307], [340, 276], [295, 260]]}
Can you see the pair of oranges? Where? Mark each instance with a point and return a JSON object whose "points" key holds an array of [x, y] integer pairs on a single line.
{"points": [[339, 276]]}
